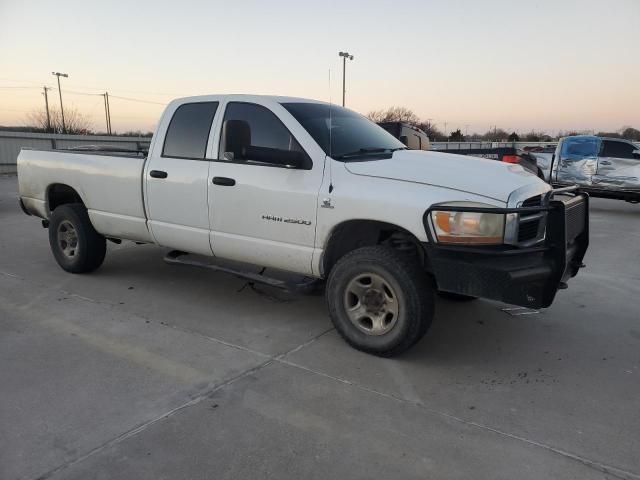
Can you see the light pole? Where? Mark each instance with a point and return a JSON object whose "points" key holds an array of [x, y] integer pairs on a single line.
{"points": [[344, 56], [58, 74]]}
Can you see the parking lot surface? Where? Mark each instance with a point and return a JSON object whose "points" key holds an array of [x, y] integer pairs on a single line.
{"points": [[143, 370]]}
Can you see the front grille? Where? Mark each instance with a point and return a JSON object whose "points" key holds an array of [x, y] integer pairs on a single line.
{"points": [[575, 219], [528, 230], [529, 224], [533, 201]]}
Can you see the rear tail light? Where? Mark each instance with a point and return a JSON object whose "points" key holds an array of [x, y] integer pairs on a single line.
{"points": [[511, 158]]}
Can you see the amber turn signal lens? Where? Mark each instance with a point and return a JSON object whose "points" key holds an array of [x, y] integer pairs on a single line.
{"points": [[442, 221]]}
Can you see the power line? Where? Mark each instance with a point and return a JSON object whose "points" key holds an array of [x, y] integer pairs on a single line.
{"points": [[5, 79], [168, 94], [75, 92], [2, 86], [137, 100]]}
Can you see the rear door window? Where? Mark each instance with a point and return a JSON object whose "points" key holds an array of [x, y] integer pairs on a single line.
{"points": [[188, 131], [611, 148]]}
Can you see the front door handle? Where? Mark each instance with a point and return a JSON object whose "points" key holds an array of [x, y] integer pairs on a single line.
{"points": [[157, 174], [227, 182], [605, 162]]}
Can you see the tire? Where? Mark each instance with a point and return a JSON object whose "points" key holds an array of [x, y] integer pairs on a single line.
{"points": [[457, 297], [75, 244], [394, 305]]}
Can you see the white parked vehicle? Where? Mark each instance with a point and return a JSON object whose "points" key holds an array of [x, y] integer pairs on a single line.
{"points": [[312, 188]]}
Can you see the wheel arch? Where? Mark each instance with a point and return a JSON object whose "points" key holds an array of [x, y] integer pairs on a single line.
{"points": [[60, 194], [352, 234]]}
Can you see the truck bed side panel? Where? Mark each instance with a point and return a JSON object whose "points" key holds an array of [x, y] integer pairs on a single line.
{"points": [[110, 187]]}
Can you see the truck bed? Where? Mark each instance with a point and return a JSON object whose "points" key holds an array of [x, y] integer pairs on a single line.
{"points": [[110, 185]]}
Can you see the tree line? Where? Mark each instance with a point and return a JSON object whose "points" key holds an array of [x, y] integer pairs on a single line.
{"points": [[79, 124], [403, 114], [75, 123]]}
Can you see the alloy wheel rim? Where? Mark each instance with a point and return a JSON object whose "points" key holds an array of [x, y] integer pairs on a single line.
{"points": [[371, 304]]}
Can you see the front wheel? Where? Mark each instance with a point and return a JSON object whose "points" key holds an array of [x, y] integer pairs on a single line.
{"points": [[379, 300], [75, 244]]}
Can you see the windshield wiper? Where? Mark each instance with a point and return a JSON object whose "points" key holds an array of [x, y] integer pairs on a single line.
{"points": [[367, 151]]}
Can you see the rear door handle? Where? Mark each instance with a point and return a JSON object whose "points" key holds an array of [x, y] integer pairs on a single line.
{"points": [[227, 182], [157, 174], [605, 162]]}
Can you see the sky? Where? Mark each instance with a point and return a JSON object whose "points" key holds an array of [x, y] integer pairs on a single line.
{"points": [[520, 65]]}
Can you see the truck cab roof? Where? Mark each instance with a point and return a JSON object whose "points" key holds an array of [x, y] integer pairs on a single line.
{"points": [[244, 98]]}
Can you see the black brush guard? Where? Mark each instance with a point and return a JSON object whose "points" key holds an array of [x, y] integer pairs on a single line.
{"points": [[528, 277]]}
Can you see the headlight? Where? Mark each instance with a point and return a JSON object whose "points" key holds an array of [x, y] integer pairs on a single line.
{"points": [[468, 228]]}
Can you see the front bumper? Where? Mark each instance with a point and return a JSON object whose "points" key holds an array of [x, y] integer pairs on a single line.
{"points": [[529, 277]]}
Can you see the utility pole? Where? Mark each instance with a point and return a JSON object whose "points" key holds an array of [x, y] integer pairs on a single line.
{"points": [[344, 56], [430, 132], [466, 129], [445, 130], [46, 104], [107, 112], [58, 74], [106, 96]]}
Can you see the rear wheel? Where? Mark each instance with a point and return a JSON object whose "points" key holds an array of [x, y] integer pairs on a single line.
{"points": [[75, 244], [379, 300]]}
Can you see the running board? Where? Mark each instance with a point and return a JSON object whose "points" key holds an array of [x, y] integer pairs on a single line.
{"points": [[174, 257]]}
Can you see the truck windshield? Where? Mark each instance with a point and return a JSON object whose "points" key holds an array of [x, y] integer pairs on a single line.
{"points": [[352, 135], [579, 148]]}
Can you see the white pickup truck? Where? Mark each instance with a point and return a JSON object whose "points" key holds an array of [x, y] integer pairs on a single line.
{"points": [[315, 189]]}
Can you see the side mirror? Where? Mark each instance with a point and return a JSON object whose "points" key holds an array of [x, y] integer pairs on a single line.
{"points": [[636, 153], [404, 139]]}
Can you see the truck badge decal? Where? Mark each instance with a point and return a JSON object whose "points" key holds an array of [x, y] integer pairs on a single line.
{"points": [[275, 218], [326, 203]]}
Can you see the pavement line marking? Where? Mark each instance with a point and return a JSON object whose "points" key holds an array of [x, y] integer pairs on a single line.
{"points": [[601, 467]]}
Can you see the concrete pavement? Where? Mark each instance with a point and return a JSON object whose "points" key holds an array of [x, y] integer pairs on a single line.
{"points": [[144, 370]]}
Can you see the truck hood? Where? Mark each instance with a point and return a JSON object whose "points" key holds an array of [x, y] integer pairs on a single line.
{"points": [[488, 178]]}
